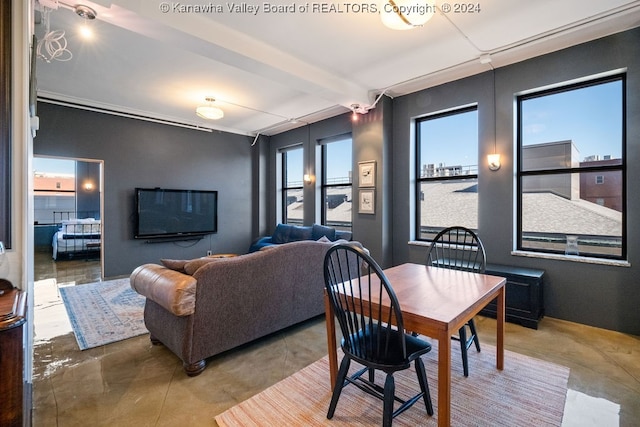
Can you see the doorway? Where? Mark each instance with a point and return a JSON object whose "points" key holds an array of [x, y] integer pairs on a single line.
{"points": [[68, 230]]}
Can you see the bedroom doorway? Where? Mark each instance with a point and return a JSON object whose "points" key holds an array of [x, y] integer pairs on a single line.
{"points": [[68, 207]]}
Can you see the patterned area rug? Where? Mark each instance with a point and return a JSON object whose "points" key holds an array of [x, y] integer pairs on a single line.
{"points": [[104, 312], [528, 392]]}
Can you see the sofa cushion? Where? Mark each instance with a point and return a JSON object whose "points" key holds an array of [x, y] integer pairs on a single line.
{"points": [[193, 265], [286, 233], [174, 291], [175, 264], [317, 231]]}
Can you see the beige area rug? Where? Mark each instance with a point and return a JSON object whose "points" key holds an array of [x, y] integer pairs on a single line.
{"points": [[104, 312], [528, 392]]}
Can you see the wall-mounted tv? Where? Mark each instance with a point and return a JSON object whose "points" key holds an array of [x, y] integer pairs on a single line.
{"points": [[165, 213]]}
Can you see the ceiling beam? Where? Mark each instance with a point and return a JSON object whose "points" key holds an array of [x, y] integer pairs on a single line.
{"points": [[208, 38]]}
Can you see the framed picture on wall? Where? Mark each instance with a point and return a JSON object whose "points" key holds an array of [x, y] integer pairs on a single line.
{"points": [[367, 173], [367, 202]]}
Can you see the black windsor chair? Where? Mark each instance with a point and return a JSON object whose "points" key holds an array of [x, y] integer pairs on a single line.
{"points": [[459, 248], [372, 337]]}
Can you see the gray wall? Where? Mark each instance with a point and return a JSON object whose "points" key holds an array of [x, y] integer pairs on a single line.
{"points": [[144, 154], [88, 200]]}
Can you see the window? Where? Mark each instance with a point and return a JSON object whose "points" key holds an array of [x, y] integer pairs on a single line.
{"points": [[571, 169], [292, 186], [337, 182], [54, 184], [446, 171]]}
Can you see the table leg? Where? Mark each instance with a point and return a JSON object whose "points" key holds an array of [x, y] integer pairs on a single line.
{"points": [[444, 380], [331, 340], [500, 317]]}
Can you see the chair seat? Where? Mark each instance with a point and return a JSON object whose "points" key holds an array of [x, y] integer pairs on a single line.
{"points": [[394, 359]]}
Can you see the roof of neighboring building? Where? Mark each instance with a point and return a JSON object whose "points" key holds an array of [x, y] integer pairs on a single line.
{"points": [[455, 203]]}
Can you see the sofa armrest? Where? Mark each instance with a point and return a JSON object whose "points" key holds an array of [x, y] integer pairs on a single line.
{"points": [[174, 291]]}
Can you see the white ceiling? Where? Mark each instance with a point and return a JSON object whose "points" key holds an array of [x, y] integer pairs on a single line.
{"points": [[269, 68]]}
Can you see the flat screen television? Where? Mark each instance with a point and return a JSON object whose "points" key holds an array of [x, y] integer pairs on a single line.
{"points": [[165, 213]]}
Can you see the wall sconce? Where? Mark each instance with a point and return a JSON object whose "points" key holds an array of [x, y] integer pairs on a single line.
{"points": [[88, 186], [308, 178], [494, 161]]}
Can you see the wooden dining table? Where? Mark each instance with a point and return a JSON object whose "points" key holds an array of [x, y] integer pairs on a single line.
{"points": [[436, 302]]}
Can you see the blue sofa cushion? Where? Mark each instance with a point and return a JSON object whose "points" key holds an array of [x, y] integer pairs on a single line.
{"points": [[317, 231], [291, 233]]}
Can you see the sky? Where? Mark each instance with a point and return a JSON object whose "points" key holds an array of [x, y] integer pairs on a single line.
{"points": [[591, 117], [339, 166], [44, 164]]}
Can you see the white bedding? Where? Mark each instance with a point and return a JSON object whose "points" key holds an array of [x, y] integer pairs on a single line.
{"points": [[77, 236]]}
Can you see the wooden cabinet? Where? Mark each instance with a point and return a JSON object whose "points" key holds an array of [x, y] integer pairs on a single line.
{"points": [[524, 294], [12, 318]]}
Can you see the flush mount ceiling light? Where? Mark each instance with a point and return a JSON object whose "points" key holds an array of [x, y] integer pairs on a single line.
{"points": [[85, 11], [406, 14], [208, 111]]}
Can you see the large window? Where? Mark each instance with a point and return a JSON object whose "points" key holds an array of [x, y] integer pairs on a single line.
{"points": [[336, 182], [446, 171], [571, 169], [292, 186]]}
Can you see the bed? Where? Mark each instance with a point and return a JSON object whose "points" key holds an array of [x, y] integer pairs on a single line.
{"points": [[77, 237]]}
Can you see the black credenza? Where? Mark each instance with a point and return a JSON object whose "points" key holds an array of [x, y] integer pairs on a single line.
{"points": [[524, 294]]}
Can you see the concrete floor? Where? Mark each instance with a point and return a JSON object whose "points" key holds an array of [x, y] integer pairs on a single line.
{"points": [[132, 383]]}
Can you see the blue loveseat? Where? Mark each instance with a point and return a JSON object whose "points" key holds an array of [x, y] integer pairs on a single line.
{"points": [[286, 233]]}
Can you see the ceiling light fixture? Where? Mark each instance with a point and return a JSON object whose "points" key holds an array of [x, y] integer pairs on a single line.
{"points": [[208, 111], [85, 12], [406, 14], [88, 14]]}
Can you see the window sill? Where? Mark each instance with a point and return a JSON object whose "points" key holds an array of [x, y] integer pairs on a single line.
{"points": [[573, 258], [419, 243], [557, 257]]}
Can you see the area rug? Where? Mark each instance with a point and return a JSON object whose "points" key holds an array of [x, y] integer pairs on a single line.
{"points": [[104, 312], [528, 392]]}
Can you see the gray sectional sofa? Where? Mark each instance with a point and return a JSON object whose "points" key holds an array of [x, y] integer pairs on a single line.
{"points": [[203, 307]]}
